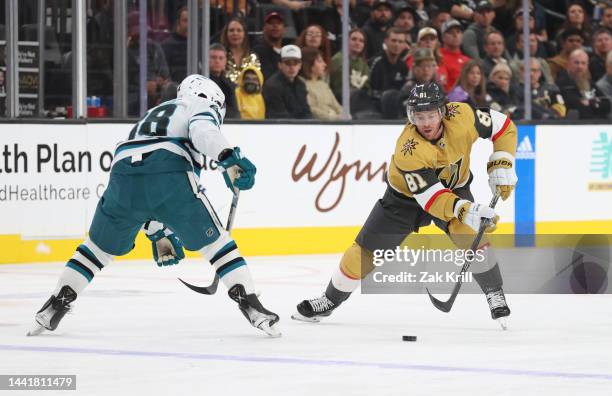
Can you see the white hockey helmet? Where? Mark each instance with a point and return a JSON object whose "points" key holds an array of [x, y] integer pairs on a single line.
{"points": [[198, 86]]}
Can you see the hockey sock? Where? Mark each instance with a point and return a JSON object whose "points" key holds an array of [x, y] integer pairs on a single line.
{"points": [[224, 256], [87, 261], [489, 280], [342, 284]]}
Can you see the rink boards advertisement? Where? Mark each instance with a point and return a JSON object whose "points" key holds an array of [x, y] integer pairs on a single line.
{"points": [[315, 184]]}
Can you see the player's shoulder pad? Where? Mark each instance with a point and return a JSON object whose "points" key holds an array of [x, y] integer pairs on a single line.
{"points": [[481, 118], [203, 110], [412, 151]]}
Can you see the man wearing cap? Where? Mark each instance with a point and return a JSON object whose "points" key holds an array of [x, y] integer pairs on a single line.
{"points": [[376, 26], [406, 19], [423, 72], [452, 57], [268, 47], [428, 38], [284, 92], [473, 38]]}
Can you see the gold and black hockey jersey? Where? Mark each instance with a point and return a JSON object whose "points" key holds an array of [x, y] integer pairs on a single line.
{"points": [[430, 171]]}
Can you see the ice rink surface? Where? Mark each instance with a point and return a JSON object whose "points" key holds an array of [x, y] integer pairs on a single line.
{"points": [[136, 330]]}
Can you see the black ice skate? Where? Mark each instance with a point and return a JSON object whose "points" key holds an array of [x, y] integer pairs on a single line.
{"points": [[53, 311], [315, 309], [499, 307], [255, 313]]}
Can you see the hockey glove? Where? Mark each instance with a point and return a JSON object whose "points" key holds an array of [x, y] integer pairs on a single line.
{"points": [[239, 171], [502, 175], [470, 213], [167, 248]]}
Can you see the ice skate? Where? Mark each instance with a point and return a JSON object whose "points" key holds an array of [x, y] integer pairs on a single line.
{"points": [[315, 309], [53, 311], [499, 307], [255, 313]]}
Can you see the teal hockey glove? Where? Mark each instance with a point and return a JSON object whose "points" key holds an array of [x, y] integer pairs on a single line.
{"points": [[239, 171], [167, 248]]}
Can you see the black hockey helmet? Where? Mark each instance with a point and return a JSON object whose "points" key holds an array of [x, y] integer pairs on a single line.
{"points": [[426, 97]]}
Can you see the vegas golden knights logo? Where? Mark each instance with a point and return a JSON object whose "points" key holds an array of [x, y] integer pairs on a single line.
{"points": [[409, 146], [449, 174]]}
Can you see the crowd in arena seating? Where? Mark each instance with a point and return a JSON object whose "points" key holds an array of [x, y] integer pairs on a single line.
{"points": [[283, 59]]}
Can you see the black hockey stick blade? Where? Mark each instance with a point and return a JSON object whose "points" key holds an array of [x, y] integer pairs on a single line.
{"points": [[208, 290], [445, 306]]}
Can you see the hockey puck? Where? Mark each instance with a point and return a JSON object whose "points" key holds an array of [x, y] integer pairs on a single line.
{"points": [[409, 338]]}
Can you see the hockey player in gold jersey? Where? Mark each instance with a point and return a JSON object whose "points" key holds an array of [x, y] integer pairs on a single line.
{"points": [[429, 180]]}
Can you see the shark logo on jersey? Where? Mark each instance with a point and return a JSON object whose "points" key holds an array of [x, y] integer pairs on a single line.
{"points": [[409, 146]]}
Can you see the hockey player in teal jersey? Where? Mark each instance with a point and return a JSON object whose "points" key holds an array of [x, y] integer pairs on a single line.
{"points": [[154, 182]]}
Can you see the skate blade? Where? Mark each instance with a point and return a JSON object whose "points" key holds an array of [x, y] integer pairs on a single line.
{"points": [[302, 318], [272, 331], [503, 322], [36, 330]]}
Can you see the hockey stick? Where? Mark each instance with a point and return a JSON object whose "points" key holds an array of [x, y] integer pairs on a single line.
{"points": [[212, 288], [445, 306]]}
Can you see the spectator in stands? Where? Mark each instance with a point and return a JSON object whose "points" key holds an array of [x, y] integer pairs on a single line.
{"points": [[517, 59], [471, 87], [495, 51], [571, 39], [359, 77], [407, 20], [428, 38], [217, 63], [315, 36], [504, 93], [452, 57], [463, 10], [423, 72], [578, 92], [175, 47], [420, 9], [606, 18], [321, 99], [602, 45], [239, 55], [330, 18], [376, 27], [605, 83], [474, 36], [158, 73], [284, 92], [546, 100], [293, 5], [388, 72], [362, 12], [438, 16], [576, 18], [249, 99], [269, 46]]}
